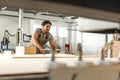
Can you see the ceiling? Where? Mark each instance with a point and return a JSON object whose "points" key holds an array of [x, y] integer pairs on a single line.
{"points": [[97, 9], [111, 5]]}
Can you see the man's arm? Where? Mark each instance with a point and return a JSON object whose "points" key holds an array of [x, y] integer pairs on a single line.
{"points": [[52, 45], [36, 43]]}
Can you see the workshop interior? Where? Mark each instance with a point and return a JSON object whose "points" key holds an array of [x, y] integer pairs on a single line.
{"points": [[86, 35]]}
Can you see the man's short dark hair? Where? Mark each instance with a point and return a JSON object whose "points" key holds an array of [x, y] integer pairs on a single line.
{"points": [[46, 22]]}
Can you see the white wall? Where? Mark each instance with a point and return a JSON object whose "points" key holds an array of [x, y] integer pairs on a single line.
{"points": [[11, 23], [91, 42]]}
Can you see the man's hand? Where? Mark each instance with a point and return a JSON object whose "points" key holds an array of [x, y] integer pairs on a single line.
{"points": [[42, 51]]}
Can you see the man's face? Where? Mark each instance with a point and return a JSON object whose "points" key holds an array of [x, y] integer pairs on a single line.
{"points": [[47, 28]]}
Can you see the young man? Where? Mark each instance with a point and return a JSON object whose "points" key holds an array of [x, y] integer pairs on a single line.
{"points": [[41, 36]]}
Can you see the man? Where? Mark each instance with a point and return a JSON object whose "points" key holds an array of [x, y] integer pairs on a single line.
{"points": [[41, 36]]}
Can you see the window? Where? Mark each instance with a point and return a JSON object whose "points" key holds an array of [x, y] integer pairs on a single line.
{"points": [[62, 32], [53, 30]]}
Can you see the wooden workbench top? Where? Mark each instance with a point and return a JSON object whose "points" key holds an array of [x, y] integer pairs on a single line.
{"points": [[49, 56]]}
